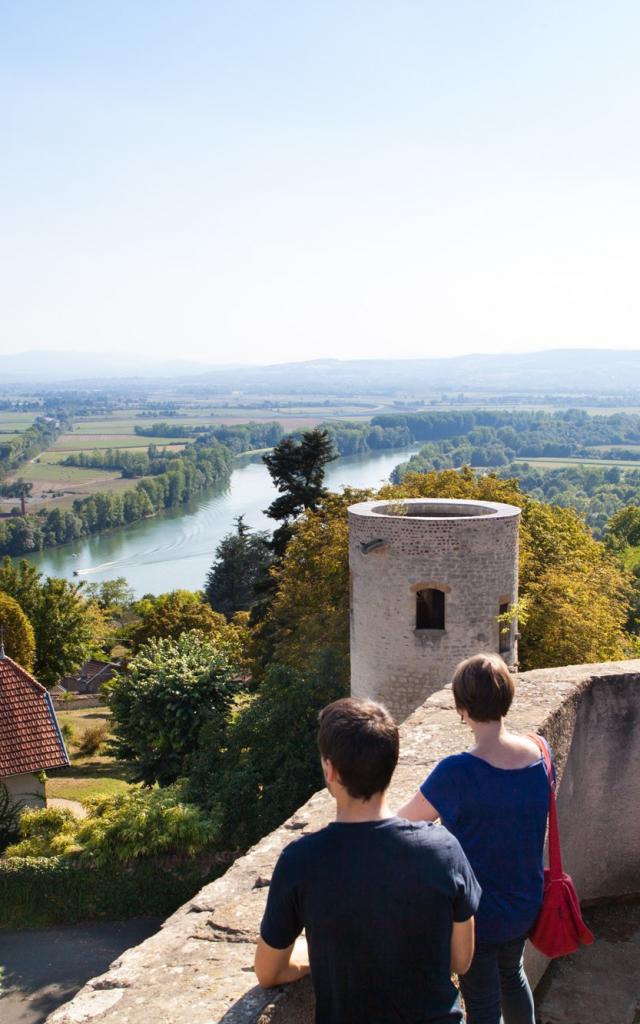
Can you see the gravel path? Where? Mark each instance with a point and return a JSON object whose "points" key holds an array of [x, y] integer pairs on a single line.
{"points": [[75, 806]]}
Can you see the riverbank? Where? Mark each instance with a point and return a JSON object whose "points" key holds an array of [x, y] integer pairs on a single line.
{"points": [[175, 549]]}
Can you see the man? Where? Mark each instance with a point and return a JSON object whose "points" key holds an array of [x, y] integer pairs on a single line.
{"points": [[387, 904]]}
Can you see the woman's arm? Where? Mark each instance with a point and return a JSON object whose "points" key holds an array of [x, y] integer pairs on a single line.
{"points": [[418, 809]]}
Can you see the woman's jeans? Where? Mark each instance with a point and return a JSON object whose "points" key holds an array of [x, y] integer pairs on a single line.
{"points": [[496, 980]]}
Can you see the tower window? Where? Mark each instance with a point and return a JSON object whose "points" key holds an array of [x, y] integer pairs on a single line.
{"points": [[504, 631], [430, 609]]}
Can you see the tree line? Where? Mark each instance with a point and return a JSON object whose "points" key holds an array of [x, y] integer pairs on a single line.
{"points": [[42, 433], [595, 492], [185, 475], [521, 434]]}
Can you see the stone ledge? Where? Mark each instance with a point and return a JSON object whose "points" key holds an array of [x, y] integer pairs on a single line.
{"points": [[198, 968]]}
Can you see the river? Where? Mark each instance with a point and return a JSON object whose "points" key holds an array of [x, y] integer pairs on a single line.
{"points": [[175, 549]]}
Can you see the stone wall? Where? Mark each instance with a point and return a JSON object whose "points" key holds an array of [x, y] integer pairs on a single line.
{"points": [[468, 550], [198, 968]]}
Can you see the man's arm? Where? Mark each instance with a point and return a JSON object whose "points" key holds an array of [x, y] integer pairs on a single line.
{"points": [[462, 945], [281, 966], [418, 809]]}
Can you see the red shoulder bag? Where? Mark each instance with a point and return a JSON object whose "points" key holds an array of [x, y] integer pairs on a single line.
{"points": [[559, 928]]}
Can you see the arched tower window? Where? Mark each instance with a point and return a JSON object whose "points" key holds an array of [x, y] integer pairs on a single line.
{"points": [[430, 609]]}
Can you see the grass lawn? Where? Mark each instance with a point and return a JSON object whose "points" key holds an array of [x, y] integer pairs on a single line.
{"points": [[77, 442], [88, 776]]}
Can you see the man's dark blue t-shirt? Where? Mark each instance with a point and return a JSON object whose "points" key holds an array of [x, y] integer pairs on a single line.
{"points": [[378, 900]]}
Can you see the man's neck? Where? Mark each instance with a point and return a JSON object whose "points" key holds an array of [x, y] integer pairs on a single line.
{"points": [[349, 810]]}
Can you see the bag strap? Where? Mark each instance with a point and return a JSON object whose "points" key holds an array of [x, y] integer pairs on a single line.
{"points": [[555, 856]]}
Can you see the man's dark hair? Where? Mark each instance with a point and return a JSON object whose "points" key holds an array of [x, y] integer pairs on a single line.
{"points": [[360, 738], [483, 687]]}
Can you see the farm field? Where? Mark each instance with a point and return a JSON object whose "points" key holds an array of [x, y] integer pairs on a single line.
{"points": [[16, 421], [88, 776], [53, 456], [557, 463], [56, 486], [115, 425], [286, 422], [76, 442], [629, 446]]}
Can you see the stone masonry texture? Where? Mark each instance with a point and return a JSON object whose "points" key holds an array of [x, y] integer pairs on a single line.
{"points": [[468, 549], [198, 968]]}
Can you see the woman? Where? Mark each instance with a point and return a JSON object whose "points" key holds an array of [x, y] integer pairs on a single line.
{"points": [[494, 799]]}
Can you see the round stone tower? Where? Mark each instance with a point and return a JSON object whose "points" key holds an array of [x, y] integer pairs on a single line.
{"points": [[429, 579]]}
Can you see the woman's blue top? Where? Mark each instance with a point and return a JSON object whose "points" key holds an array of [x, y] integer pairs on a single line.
{"points": [[499, 817]]}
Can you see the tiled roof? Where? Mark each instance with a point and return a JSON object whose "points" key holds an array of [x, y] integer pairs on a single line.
{"points": [[30, 739]]}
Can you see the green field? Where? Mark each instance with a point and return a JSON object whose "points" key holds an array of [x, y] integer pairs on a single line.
{"points": [[53, 473], [16, 421], [628, 447], [88, 776], [53, 457], [76, 442]]}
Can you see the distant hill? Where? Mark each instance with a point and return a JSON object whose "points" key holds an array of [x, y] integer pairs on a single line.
{"points": [[572, 371], [44, 365]]}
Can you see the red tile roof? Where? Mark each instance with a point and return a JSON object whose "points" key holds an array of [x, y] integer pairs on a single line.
{"points": [[30, 739]]}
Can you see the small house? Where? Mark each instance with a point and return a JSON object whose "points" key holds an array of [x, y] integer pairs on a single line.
{"points": [[30, 738], [90, 677]]}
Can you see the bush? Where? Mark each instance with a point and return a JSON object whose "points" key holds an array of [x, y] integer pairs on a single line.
{"points": [[9, 818], [36, 891], [68, 733], [93, 740], [118, 829], [45, 832]]}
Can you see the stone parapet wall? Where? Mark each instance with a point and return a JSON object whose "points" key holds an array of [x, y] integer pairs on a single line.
{"points": [[198, 968]]}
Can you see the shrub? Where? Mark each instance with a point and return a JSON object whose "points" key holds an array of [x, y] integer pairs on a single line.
{"points": [[46, 832], [9, 818], [68, 733], [93, 740], [143, 823], [37, 891], [118, 829]]}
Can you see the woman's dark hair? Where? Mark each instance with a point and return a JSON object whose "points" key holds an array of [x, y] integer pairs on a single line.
{"points": [[483, 687], [360, 738]]}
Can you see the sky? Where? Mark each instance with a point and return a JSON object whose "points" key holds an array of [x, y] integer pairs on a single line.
{"points": [[251, 181]]}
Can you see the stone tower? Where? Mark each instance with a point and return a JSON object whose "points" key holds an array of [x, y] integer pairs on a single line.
{"points": [[429, 578]]}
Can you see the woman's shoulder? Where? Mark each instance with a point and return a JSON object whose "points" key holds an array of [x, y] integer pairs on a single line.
{"points": [[453, 764], [526, 744]]}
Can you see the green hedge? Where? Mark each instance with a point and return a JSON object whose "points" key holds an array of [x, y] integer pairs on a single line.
{"points": [[38, 891]]}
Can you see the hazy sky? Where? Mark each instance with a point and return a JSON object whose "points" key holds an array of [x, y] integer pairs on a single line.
{"points": [[274, 180]]}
